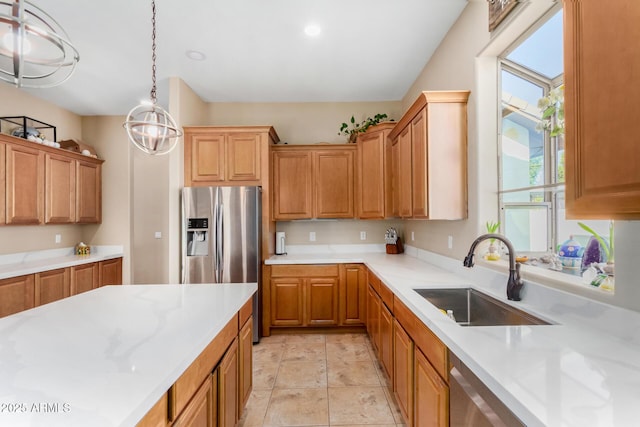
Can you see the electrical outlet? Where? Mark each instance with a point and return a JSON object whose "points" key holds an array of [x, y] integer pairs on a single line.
{"points": [[450, 242], [363, 235], [158, 235], [413, 237], [312, 236], [58, 238]]}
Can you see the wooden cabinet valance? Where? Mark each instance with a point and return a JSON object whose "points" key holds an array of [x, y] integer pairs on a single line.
{"points": [[46, 185]]}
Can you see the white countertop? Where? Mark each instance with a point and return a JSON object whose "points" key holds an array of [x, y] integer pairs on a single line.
{"points": [[105, 357], [582, 371], [19, 264]]}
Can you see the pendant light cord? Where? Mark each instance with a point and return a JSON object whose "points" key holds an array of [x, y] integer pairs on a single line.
{"points": [[153, 52]]}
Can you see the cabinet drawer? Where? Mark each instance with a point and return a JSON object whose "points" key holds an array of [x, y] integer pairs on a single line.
{"points": [[157, 416], [386, 295], [424, 339], [329, 270], [245, 312], [373, 281]]}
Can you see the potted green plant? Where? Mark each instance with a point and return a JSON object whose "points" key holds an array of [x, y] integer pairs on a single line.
{"points": [[492, 254], [352, 129], [552, 109]]}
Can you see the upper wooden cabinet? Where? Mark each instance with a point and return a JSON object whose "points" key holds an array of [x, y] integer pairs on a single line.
{"points": [[432, 156], [227, 155], [312, 181], [601, 60], [373, 173], [43, 184], [24, 184]]}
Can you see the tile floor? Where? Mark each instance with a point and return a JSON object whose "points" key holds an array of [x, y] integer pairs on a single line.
{"points": [[318, 380]]}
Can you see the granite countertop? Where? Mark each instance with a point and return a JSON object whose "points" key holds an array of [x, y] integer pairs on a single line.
{"points": [[20, 264], [105, 357], [583, 370]]}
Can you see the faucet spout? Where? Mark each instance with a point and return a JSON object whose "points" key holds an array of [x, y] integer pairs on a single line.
{"points": [[514, 283]]}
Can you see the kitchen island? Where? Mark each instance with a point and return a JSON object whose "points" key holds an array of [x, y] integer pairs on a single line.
{"points": [[581, 370], [105, 357]]}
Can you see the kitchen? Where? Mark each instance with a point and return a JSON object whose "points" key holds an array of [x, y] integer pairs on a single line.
{"points": [[136, 204]]}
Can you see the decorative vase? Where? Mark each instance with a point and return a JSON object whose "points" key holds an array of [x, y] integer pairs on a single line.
{"points": [[353, 138], [492, 253]]}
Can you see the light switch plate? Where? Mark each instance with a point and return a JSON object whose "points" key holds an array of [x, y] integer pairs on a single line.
{"points": [[363, 235], [312, 236], [158, 235]]}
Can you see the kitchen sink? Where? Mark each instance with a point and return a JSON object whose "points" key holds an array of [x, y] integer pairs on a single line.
{"points": [[474, 308]]}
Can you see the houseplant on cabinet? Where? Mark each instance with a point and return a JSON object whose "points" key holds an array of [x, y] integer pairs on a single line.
{"points": [[357, 128], [492, 252]]}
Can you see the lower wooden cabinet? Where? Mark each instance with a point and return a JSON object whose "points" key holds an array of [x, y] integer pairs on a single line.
{"points": [[228, 407], [431, 394], [51, 286], [385, 345], [16, 294], [110, 272], [373, 317], [84, 278], [245, 364], [328, 295], [158, 416], [403, 371], [199, 411]]}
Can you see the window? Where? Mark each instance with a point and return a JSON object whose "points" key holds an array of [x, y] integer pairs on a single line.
{"points": [[531, 163]]}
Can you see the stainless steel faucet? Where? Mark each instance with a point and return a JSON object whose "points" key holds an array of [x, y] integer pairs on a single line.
{"points": [[514, 283]]}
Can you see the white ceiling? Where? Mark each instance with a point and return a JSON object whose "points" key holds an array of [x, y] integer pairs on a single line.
{"points": [[256, 50]]}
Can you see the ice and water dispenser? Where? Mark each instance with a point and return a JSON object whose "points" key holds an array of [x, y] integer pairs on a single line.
{"points": [[198, 237]]}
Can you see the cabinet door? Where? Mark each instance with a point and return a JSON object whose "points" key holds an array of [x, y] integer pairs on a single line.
{"points": [[206, 156], [334, 184], [60, 189], [16, 294], [371, 176], [431, 395], [243, 157], [24, 185], [373, 317], [89, 192], [404, 173], [601, 86], [84, 277], [286, 301], [420, 175], [3, 183], [322, 301], [110, 272], [385, 350], [198, 413], [395, 178], [292, 189], [228, 387], [51, 286], [158, 415], [245, 365], [353, 295], [403, 371]]}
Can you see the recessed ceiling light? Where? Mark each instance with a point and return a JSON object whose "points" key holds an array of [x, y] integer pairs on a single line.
{"points": [[312, 30], [196, 55]]}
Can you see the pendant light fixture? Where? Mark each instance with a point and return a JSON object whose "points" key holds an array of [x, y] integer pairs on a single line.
{"points": [[149, 126], [35, 51]]}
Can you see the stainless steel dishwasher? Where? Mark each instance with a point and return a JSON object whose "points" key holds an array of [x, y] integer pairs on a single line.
{"points": [[472, 403]]}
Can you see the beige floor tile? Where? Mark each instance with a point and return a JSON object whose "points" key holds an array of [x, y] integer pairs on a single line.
{"points": [[347, 352], [393, 405], [382, 375], [305, 338], [256, 409], [264, 375], [358, 405], [368, 425], [355, 338], [274, 338], [351, 373], [302, 375], [304, 352], [298, 407], [268, 352]]}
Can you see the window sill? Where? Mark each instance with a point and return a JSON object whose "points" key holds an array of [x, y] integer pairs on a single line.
{"points": [[551, 278]]}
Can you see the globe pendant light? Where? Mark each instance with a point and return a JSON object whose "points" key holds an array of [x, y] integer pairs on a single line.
{"points": [[35, 51], [149, 126]]}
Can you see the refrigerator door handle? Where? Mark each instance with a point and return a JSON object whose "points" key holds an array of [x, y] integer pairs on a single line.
{"points": [[219, 242]]}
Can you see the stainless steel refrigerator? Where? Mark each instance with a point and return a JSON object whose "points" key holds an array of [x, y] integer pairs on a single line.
{"points": [[221, 229]]}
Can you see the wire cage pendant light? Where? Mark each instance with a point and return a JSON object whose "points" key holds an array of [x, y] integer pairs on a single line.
{"points": [[150, 128], [35, 52]]}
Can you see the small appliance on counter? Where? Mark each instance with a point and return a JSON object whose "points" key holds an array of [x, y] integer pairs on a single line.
{"points": [[280, 243], [393, 241]]}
